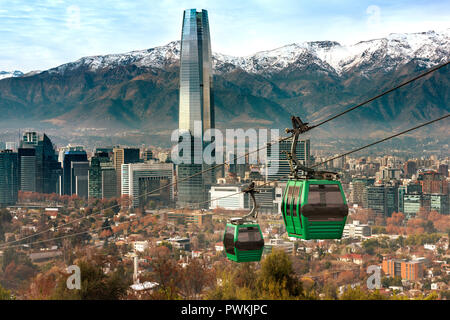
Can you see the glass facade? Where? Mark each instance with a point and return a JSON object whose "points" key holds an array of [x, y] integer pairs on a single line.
{"points": [[196, 103], [69, 183], [46, 169], [281, 162], [9, 177]]}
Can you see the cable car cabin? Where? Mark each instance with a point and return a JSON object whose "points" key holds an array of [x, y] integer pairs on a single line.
{"points": [[243, 242], [314, 209]]}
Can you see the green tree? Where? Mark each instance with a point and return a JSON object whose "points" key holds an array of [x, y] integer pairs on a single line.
{"points": [[277, 279], [95, 285], [5, 294]]}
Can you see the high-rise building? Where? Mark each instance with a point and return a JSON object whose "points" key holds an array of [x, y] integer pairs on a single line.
{"points": [[383, 199], [228, 197], [9, 177], [95, 174], [440, 203], [391, 200], [109, 180], [433, 182], [357, 189], [196, 104], [443, 170], [27, 169], [147, 155], [11, 145], [409, 168], [375, 198], [46, 168], [139, 179], [79, 178], [123, 156], [95, 179], [400, 198], [69, 180], [278, 164], [411, 204]]}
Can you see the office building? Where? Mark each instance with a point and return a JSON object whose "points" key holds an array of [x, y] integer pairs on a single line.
{"points": [[400, 198], [412, 270], [196, 105], [277, 167], [68, 178], [409, 169], [147, 155], [411, 204], [139, 179], [46, 168], [433, 182], [357, 188], [440, 203], [374, 198], [95, 174], [391, 199], [11, 145], [388, 174], [9, 177], [27, 169], [228, 197], [265, 199], [123, 156], [443, 170], [79, 178], [109, 180], [382, 199]]}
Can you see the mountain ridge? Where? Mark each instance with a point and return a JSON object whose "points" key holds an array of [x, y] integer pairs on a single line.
{"points": [[139, 89]]}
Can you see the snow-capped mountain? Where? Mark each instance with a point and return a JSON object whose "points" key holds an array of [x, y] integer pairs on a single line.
{"points": [[140, 89], [428, 48], [7, 74]]}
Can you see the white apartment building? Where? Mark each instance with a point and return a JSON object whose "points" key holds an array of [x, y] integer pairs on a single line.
{"points": [[228, 197], [356, 230], [140, 246]]}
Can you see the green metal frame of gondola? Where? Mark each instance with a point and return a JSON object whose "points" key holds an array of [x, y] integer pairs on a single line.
{"points": [[313, 204], [243, 240]]}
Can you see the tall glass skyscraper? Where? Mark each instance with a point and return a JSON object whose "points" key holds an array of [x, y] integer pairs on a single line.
{"points": [[196, 106], [9, 178], [39, 169]]}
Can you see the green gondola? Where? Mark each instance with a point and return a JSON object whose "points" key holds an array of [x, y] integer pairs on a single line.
{"points": [[243, 240], [313, 204], [314, 209]]}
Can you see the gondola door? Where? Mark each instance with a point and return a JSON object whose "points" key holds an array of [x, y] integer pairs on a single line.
{"points": [[288, 207], [296, 215]]}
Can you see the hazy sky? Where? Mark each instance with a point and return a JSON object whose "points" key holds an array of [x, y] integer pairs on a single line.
{"points": [[40, 34]]}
